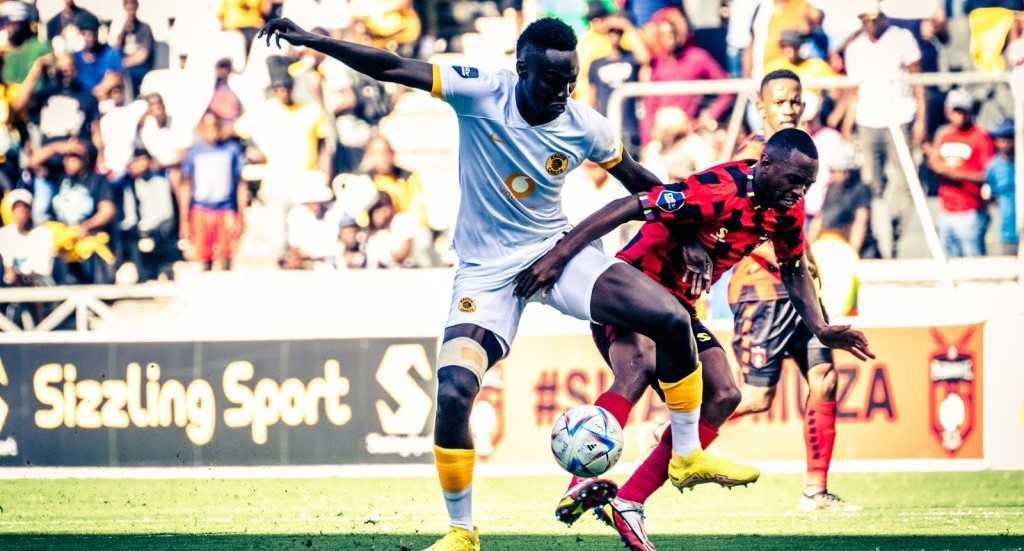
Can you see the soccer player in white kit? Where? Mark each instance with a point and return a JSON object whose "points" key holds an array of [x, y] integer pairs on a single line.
{"points": [[520, 134]]}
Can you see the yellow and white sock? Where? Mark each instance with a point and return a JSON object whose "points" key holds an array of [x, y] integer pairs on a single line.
{"points": [[455, 470], [683, 399]]}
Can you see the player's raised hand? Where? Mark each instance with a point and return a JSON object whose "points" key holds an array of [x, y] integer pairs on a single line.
{"points": [[850, 340], [541, 275], [698, 268], [283, 28]]}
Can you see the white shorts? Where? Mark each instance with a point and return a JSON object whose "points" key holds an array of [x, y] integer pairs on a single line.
{"points": [[483, 295]]}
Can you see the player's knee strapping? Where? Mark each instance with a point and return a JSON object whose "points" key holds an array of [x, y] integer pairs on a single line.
{"points": [[685, 394], [463, 352]]}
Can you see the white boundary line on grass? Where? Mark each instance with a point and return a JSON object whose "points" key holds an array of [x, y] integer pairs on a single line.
{"points": [[410, 471]]}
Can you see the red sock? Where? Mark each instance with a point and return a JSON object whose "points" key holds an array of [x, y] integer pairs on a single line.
{"points": [[819, 437], [617, 405], [651, 474], [706, 432]]}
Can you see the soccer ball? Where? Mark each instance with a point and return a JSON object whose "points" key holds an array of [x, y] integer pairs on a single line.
{"points": [[586, 441]]}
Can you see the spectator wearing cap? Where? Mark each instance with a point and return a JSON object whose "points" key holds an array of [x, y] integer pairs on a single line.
{"points": [[98, 63], [683, 60], [999, 175], [26, 249], [959, 155], [846, 210], [313, 237], [23, 47], [147, 224], [134, 42], [83, 206], [878, 58], [211, 198], [772, 19], [610, 35], [289, 134], [67, 17]]}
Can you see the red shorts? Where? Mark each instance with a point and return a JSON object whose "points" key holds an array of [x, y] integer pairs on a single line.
{"points": [[215, 233]]}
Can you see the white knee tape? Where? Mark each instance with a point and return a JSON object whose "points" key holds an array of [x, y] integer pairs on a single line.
{"points": [[463, 352]]}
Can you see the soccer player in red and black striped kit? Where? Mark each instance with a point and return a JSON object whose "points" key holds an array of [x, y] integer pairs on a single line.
{"points": [[729, 209]]}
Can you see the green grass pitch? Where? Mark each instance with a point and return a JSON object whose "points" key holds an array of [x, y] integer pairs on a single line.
{"points": [[919, 511]]}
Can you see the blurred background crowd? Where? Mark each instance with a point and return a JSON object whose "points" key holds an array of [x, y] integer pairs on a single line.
{"points": [[142, 137]]}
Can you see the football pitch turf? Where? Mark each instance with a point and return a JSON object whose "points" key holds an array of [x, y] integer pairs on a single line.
{"points": [[932, 511]]}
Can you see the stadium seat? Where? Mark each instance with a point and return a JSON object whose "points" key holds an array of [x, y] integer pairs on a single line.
{"points": [[219, 45]]}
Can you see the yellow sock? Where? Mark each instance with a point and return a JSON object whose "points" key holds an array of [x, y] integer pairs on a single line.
{"points": [[686, 394], [455, 471], [683, 399]]}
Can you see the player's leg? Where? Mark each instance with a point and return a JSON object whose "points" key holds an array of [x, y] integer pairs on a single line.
{"points": [[625, 512], [482, 321], [631, 357], [623, 296], [761, 331], [466, 353], [815, 362]]}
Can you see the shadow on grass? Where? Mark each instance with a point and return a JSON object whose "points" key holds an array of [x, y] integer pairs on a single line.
{"points": [[503, 542]]}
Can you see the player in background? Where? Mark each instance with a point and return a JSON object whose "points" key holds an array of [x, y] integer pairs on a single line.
{"points": [[520, 134], [729, 209], [767, 327]]}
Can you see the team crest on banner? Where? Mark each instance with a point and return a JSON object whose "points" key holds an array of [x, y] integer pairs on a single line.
{"points": [[951, 401]]}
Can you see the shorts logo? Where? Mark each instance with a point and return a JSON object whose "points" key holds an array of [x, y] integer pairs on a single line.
{"points": [[466, 72], [951, 400], [467, 305], [670, 201], [703, 337], [557, 163], [758, 357]]}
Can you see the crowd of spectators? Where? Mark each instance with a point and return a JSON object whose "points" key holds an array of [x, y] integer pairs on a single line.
{"points": [[136, 134]]}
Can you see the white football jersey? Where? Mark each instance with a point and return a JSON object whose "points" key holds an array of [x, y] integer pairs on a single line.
{"points": [[511, 173]]}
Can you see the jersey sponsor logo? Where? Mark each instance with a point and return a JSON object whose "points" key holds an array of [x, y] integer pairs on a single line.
{"points": [[670, 201], [557, 163], [467, 305], [466, 72], [494, 138], [521, 185], [951, 401]]}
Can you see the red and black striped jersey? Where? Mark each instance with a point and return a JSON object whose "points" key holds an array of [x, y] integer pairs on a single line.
{"points": [[716, 208]]}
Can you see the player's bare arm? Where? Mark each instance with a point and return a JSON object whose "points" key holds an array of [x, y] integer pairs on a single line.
{"points": [[543, 273], [373, 62], [800, 284], [633, 176]]}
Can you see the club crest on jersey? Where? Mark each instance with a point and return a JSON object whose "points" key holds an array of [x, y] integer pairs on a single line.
{"points": [[670, 201], [557, 164], [466, 72], [467, 305]]}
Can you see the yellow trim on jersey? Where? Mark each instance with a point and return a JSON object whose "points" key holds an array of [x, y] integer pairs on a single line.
{"points": [[608, 165], [435, 87]]}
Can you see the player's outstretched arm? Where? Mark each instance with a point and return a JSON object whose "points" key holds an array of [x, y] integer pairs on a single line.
{"points": [[543, 273], [373, 62], [633, 175], [800, 285]]}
